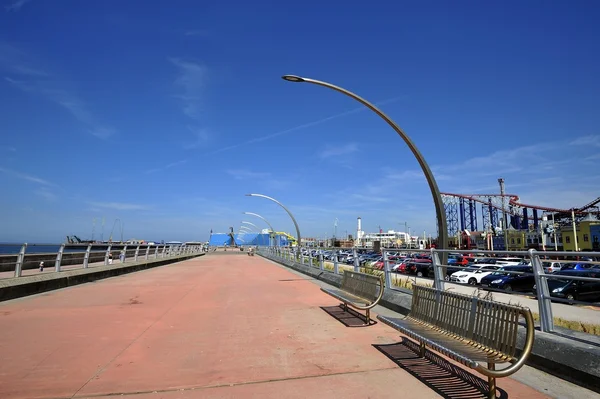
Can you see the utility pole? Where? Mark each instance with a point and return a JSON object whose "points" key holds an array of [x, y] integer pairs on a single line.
{"points": [[554, 232], [574, 229], [504, 220]]}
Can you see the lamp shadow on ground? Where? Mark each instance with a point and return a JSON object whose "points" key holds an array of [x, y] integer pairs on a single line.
{"points": [[350, 318], [445, 378]]}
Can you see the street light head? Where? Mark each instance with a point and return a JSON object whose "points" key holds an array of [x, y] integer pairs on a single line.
{"points": [[293, 78]]}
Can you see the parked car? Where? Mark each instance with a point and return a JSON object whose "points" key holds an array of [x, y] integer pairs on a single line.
{"points": [[551, 266], [473, 274], [419, 266], [449, 271], [572, 289], [577, 266], [504, 280]]}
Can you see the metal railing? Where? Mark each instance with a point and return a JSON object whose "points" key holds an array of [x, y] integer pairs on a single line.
{"points": [[75, 256], [532, 260]]}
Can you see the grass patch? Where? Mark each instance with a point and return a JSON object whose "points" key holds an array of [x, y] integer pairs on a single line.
{"points": [[589, 328]]}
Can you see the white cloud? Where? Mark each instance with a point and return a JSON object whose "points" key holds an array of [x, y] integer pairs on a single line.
{"points": [[25, 176], [303, 126], [242, 174], [120, 206], [591, 140], [45, 193], [199, 138], [191, 80], [338, 151], [35, 80], [168, 166], [16, 5]]}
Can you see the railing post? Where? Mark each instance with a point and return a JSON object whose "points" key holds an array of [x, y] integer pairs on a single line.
{"points": [[163, 251], [86, 257], [137, 253], [321, 262], [156, 252], [124, 257], [59, 258], [386, 270], [336, 269], [147, 251], [20, 260], [355, 259], [438, 280], [310, 259], [106, 255], [543, 293]]}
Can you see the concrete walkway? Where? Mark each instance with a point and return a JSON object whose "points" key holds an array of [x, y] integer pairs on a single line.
{"points": [[213, 327]]}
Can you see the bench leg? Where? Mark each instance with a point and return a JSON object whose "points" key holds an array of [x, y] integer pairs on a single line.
{"points": [[368, 317], [492, 382], [345, 307], [422, 349]]}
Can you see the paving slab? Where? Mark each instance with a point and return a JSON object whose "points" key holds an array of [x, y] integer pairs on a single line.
{"points": [[214, 327]]}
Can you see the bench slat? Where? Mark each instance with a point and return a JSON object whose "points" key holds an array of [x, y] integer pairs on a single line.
{"points": [[346, 297], [361, 285]]}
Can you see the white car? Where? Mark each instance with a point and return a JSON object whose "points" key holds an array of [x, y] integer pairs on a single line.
{"points": [[473, 274]]}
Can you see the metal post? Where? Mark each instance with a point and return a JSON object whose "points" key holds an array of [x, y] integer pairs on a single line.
{"points": [[321, 262], [20, 259], [336, 269], [86, 257], [438, 277], [355, 259], [106, 254], [59, 258], [156, 252], [386, 270], [147, 252], [137, 252], [310, 259], [124, 254], [163, 251], [543, 293]]}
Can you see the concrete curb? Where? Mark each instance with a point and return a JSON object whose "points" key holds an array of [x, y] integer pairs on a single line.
{"points": [[12, 288], [573, 360]]}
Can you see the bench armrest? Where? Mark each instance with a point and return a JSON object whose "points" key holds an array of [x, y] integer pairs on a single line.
{"points": [[376, 301], [526, 351]]}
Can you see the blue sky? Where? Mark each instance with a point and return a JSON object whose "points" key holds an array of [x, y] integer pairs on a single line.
{"points": [[164, 114]]}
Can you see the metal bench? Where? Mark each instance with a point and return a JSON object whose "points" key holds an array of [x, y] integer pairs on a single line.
{"points": [[359, 290], [467, 329]]}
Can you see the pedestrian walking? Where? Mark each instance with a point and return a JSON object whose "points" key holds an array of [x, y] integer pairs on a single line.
{"points": [[41, 266], [110, 258]]}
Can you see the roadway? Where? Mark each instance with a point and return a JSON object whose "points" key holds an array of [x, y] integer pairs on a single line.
{"points": [[226, 326]]}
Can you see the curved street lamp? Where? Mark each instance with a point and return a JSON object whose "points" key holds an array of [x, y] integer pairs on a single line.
{"points": [[252, 224], [272, 235], [435, 192], [258, 216], [287, 210]]}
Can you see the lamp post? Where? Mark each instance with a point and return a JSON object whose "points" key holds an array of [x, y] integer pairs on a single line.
{"points": [[435, 192], [267, 222], [252, 224], [287, 210]]}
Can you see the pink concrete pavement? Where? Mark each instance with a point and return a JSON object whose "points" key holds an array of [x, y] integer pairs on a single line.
{"points": [[225, 326]]}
